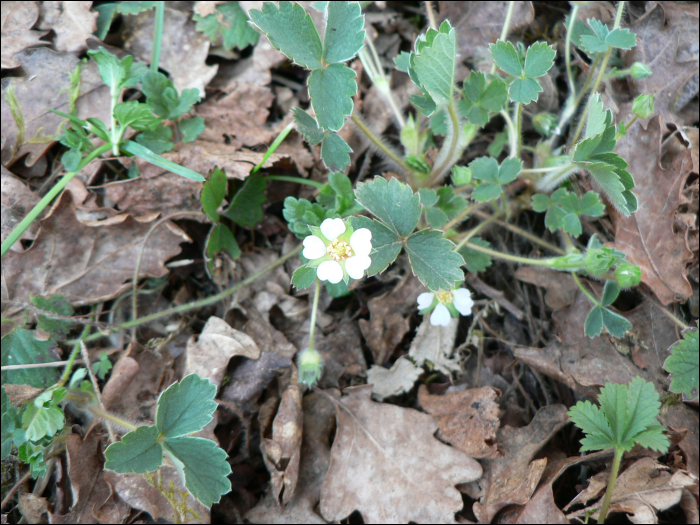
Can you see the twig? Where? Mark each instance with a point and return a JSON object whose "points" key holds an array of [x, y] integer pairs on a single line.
{"points": [[96, 387], [496, 295]]}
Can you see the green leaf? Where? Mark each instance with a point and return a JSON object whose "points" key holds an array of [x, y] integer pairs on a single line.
{"points": [[246, 206], [331, 90], [434, 65], [593, 422], [138, 451], [596, 120], [43, 420], [642, 407], [486, 192], [401, 61], [438, 123], [290, 30], [308, 126], [185, 407], [572, 224], [162, 96], [213, 193], [8, 428], [488, 170], [594, 322], [524, 90], [609, 181], [102, 367], [653, 438], [134, 8], [203, 465], [303, 277], [134, 148], [540, 202], [221, 238], [506, 58], [394, 203], [118, 74], [434, 261], [337, 290], [479, 98], [610, 293], [682, 364], [485, 168], [20, 347], [230, 23], [475, 261], [58, 328], [157, 140], [614, 323], [191, 128], [510, 168], [344, 35], [299, 213], [539, 59], [621, 39], [436, 217], [5, 402], [71, 159], [427, 197], [136, 115], [386, 244], [104, 18], [335, 152]]}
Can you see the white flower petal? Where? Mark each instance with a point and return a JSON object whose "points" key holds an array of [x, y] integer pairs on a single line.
{"points": [[440, 316], [462, 299], [330, 271], [331, 228], [356, 266], [425, 300], [361, 241], [313, 248]]}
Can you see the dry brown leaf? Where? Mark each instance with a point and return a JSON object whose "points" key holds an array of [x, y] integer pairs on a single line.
{"points": [[119, 380], [252, 70], [267, 337], [467, 420], [387, 464], [393, 381], [513, 477], [282, 453], [681, 418], [17, 21], [94, 500], [86, 264], [581, 362], [319, 423], [434, 344], [560, 286], [17, 201], [73, 23], [667, 42], [33, 507], [647, 236], [20, 394], [183, 52], [388, 317], [642, 490], [46, 85]]}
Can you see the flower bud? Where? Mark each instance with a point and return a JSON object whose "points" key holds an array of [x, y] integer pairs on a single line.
{"points": [[544, 123], [461, 175], [628, 275], [310, 367], [640, 71], [417, 164], [643, 106]]}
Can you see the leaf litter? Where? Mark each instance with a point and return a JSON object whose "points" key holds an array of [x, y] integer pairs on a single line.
{"points": [[329, 453]]}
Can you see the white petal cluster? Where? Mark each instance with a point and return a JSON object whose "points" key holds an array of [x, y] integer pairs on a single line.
{"points": [[339, 256], [461, 299]]}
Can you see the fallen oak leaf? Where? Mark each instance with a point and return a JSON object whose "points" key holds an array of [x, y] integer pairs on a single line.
{"points": [[17, 21]]}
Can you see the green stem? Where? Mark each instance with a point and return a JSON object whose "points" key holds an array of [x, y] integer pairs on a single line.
{"points": [[295, 180], [523, 233], [583, 289], [518, 127], [463, 214], [471, 233], [512, 134], [379, 143], [541, 170], [431, 15], [273, 147], [157, 35], [449, 159], [567, 56], [202, 302], [114, 132], [548, 263], [611, 485], [314, 310], [43, 203], [71, 359], [108, 416], [505, 29]]}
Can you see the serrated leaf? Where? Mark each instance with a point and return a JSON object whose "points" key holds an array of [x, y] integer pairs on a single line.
{"points": [[524, 90], [58, 304], [682, 364], [303, 277], [594, 322], [434, 66], [596, 119], [394, 203], [117, 73], [230, 23], [486, 192], [539, 59], [41, 421], [621, 39], [653, 438], [642, 407], [475, 261], [593, 422], [20, 347], [335, 152], [506, 58], [221, 238], [213, 193], [436, 217], [246, 206], [344, 34], [609, 181], [138, 451], [401, 61], [590, 205], [479, 98], [308, 126], [423, 103], [571, 224], [610, 293], [510, 168], [434, 261], [485, 168], [438, 123], [295, 211], [331, 90], [136, 115], [185, 407], [540, 202], [291, 30], [157, 139], [203, 465], [386, 244], [191, 128], [162, 96]]}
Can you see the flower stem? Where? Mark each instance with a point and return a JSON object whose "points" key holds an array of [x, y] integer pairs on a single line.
{"points": [[378, 142], [548, 263], [512, 134], [462, 215], [471, 233], [518, 127], [314, 311], [523, 233], [157, 35], [296, 180], [71, 359], [611, 485], [567, 56], [449, 159], [583, 289]]}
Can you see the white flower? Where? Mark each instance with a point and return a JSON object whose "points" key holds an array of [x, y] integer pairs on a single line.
{"points": [[446, 304], [339, 252]]}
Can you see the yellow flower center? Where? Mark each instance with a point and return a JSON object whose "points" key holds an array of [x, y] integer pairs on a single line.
{"points": [[444, 296], [339, 250]]}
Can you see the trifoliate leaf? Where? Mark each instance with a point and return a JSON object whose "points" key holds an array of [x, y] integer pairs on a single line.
{"points": [[506, 58], [386, 244], [43, 420], [138, 451], [339, 195], [564, 209], [203, 465], [524, 90], [615, 324], [102, 367], [486, 192], [291, 30], [394, 203], [487, 170], [136, 115], [300, 213], [157, 139], [20, 347], [230, 23], [331, 90], [185, 407], [480, 98], [594, 322], [308, 126], [303, 277], [434, 65], [434, 261], [335, 152], [191, 128], [539, 59], [162, 96], [246, 206], [475, 261], [58, 328], [213, 194], [446, 206], [683, 364], [344, 35]]}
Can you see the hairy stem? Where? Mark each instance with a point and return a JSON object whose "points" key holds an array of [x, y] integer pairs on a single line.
{"points": [[449, 159], [523, 233], [548, 263], [518, 127], [585, 292], [314, 310], [296, 180], [512, 134], [471, 233], [71, 360], [379, 143], [611, 484], [569, 74]]}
